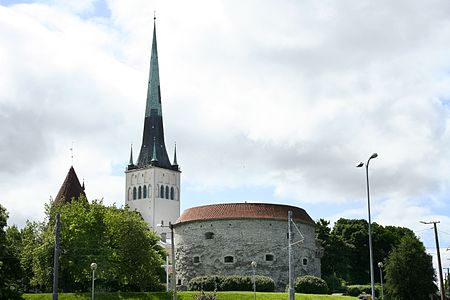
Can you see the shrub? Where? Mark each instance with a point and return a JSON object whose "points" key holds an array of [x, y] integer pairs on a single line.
{"points": [[205, 283], [311, 285], [356, 290], [231, 283], [335, 284]]}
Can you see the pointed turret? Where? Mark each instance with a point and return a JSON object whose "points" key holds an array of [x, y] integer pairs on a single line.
{"points": [[131, 156], [131, 164], [153, 124], [175, 163], [71, 188]]}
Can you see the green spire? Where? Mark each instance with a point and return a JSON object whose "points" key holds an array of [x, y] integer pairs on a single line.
{"points": [[154, 91], [175, 163], [154, 158]]}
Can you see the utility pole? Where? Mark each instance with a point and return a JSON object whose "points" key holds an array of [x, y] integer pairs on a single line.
{"points": [[441, 279], [291, 288], [56, 258]]}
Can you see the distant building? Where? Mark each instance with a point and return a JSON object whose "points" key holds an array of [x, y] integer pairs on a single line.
{"points": [[70, 189], [223, 239], [152, 185]]}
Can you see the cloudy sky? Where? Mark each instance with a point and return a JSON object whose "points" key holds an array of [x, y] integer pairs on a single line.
{"points": [[268, 101]]}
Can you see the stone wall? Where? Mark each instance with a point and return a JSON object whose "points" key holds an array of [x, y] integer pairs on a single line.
{"points": [[227, 247]]}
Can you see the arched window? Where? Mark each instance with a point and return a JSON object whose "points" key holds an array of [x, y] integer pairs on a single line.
{"points": [[161, 193], [145, 192], [167, 192], [140, 192], [134, 193], [172, 193]]}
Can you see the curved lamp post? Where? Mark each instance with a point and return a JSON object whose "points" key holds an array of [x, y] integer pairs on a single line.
{"points": [[380, 265], [254, 279], [93, 267], [372, 282]]}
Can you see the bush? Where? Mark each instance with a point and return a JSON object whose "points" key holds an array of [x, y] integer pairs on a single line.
{"points": [[205, 283], [356, 290], [231, 283], [335, 284], [310, 285]]}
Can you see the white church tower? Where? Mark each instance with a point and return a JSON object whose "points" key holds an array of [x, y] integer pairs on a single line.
{"points": [[153, 183]]}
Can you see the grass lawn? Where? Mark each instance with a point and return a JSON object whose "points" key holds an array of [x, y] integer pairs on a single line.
{"points": [[183, 296]]}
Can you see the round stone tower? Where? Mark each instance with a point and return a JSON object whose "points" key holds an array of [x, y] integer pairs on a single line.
{"points": [[223, 239]]}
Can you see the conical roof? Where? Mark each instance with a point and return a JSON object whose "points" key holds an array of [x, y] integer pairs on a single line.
{"points": [[71, 188]]}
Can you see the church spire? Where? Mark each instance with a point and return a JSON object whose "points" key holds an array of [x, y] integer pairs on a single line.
{"points": [[153, 138], [154, 90]]}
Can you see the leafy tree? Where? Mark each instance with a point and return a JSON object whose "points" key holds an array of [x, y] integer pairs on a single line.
{"points": [[346, 248], [9, 263], [118, 240], [409, 271], [335, 261]]}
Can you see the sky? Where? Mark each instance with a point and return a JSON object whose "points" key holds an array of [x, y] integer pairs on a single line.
{"points": [[267, 101]]}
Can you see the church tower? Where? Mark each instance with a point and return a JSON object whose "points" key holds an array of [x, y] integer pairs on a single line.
{"points": [[153, 183]]}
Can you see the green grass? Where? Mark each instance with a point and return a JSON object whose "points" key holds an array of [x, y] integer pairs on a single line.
{"points": [[182, 296]]}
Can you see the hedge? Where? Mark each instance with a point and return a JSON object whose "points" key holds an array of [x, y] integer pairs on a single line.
{"points": [[310, 285], [356, 290], [231, 283]]}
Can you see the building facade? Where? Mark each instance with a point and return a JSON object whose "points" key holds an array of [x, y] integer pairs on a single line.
{"points": [[152, 184], [223, 239]]}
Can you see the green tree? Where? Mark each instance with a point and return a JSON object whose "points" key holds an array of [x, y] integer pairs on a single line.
{"points": [[118, 240], [346, 248], [9, 263], [409, 271]]}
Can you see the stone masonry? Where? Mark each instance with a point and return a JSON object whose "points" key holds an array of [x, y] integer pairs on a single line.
{"points": [[228, 246]]}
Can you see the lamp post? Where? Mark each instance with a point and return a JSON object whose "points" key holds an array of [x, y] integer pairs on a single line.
{"points": [[254, 279], [174, 270], [380, 265], [372, 282], [93, 267]]}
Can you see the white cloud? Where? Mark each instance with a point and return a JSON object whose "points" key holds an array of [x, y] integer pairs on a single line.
{"points": [[286, 95]]}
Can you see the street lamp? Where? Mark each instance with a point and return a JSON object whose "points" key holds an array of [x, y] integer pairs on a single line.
{"points": [[380, 265], [254, 279], [93, 267], [174, 270], [372, 282]]}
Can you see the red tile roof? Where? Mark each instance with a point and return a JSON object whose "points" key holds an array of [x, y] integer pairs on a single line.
{"points": [[243, 211]]}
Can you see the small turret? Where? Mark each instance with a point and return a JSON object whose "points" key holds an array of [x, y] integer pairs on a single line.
{"points": [[175, 163], [131, 164]]}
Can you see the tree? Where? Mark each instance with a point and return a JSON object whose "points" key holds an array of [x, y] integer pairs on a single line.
{"points": [[126, 251], [409, 271], [346, 248], [9, 263]]}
